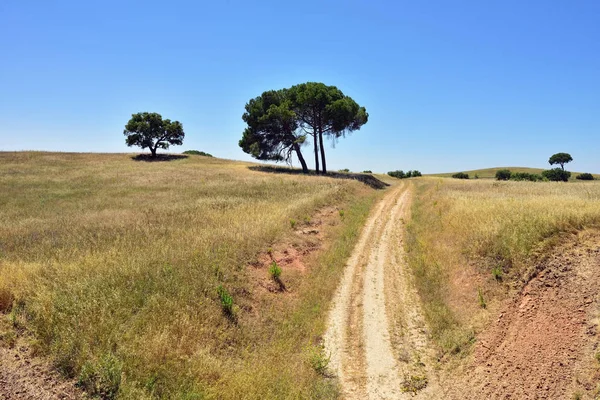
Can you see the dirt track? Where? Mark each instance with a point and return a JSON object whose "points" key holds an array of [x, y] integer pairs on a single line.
{"points": [[376, 335]]}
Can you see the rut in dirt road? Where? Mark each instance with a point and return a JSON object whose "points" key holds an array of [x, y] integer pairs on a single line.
{"points": [[376, 336]]}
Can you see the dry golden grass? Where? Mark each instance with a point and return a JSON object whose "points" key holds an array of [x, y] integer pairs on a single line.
{"points": [[467, 235], [114, 266]]}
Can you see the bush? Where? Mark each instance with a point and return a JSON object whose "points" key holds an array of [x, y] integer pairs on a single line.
{"points": [[344, 170], [525, 176], [556, 175], [503, 175], [367, 171], [197, 153], [397, 174], [461, 175], [401, 174], [586, 176]]}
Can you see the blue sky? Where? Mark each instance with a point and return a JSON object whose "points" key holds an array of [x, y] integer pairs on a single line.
{"points": [[449, 85]]}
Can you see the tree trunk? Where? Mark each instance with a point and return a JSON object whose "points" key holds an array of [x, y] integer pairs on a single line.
{"points": [[301, 158], [315, 134], [324, 165], [153, 151]]}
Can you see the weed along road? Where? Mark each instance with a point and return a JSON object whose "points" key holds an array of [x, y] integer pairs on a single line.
{"points": [[376, 335]]}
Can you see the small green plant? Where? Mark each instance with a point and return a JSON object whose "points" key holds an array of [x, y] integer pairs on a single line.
{"points": [[293, 223], [414, 383], [597, 357], [270, 251], [497, 273], [577, 395], [226, 300], [482, 302], [275, 271], [306, 219], [318, 360], [341, 212]]}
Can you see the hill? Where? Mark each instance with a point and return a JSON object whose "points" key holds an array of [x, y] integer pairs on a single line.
{"points": [[155, 279]]}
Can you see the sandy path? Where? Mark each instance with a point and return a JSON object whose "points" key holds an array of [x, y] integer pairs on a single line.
{"points": [[376, 332]]}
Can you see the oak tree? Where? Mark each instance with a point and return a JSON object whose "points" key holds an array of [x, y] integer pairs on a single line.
{"points": [[150, 131]]}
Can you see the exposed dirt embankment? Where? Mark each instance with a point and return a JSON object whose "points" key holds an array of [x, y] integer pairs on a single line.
{"points": [[544, 343], [23, 377]]}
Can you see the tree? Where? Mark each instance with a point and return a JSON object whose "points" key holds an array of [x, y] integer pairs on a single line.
{"points": [[561, 159], [149, 130], [325, 110], [272, 132]]}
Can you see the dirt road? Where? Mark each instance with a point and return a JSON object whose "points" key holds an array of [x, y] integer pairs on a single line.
{"points": [[376, 334]]}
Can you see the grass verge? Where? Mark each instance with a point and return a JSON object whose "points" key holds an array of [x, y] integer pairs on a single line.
{"points": [[469, 241], [114, 267]]}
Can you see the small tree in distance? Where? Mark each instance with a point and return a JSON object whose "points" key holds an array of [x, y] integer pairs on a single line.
{"points": [[150, 131], [560, 159]]}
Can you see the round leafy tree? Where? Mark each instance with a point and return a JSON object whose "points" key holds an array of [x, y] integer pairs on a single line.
{"points": [[560, 159], [151, 131]]}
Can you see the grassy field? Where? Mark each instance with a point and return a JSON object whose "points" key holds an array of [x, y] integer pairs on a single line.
{"points": [[112, 266], [471, 241], [490, 173]]}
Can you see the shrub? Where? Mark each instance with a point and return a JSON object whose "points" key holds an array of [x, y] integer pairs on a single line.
{"points": [[586, 176], [344, 170], [503, 175], [226, 300], [293, 223], [525, 176], [367, 171], [416, 173], [197, 153], [397, 174], [413, 383], [461, 175], [556, 175]]}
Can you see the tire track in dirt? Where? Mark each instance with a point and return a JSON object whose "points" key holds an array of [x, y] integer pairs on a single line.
{"points": [[374, 285]]}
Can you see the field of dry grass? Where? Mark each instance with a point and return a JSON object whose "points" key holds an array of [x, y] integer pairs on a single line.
{"points": [[112, 266], [471, 242]]}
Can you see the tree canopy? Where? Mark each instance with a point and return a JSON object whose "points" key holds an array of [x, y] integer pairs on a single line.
{"points": [[560, 159], [279, 121], [272, 131], [150, 131]]}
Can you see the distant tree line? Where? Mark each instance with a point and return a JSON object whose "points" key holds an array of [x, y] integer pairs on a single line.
{"points": [[554, 174], [401, 174]]}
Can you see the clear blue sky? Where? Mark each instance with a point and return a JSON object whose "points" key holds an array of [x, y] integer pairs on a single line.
{"points": [[449, 85]]}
